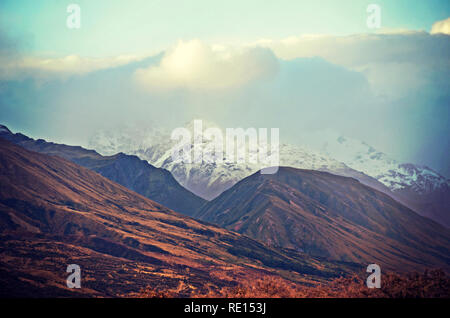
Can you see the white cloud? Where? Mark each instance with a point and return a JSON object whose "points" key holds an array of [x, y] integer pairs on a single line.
{"points": [[442, 26], [394, 63], [13, 67], [195, 65]]}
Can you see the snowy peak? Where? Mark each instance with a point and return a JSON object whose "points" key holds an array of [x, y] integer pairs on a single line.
{"points": [[208, 179], [205, 124], [127, 138], [418, 187], [422, 179], [363, 157]]}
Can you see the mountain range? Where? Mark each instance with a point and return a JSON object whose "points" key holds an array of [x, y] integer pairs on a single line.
{"points": [[55, 212], [68, 205], [135, 174], [205, 179], [418, 187], [330, 216]]}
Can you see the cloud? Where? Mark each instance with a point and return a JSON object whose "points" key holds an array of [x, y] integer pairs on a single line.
{"points": [[17, 64], [442, 27], [395, 64], [360, 49], [19, 67], [195, 65], [299, 83]]}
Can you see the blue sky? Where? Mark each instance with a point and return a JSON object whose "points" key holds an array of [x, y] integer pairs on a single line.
{"points": [[121, 27]]}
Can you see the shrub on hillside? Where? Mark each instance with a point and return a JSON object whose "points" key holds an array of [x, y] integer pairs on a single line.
{"points": [[430, 284]]}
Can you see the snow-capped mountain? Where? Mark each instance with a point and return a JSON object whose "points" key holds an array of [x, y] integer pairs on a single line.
{"points": [[418, 187], [209, 179], [393, 174], [206, 179], [128, 139]]}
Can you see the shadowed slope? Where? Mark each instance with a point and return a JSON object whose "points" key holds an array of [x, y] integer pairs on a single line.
{"points": [[137, 175], [54, 213], [332, 216]]}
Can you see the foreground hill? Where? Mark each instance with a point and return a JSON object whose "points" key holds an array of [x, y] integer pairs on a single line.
{"points": [[332, 216], [54, 213], [137, 175]]}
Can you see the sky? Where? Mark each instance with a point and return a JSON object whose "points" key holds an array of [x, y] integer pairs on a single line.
{"points": [[113, 27], [300, 65]]}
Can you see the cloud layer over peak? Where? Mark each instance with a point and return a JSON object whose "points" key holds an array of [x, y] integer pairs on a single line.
{"points": [[390, 89], [196, 65], [395, 64]]}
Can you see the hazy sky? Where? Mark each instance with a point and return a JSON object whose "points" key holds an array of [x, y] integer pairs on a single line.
{"points": [[113, 27], [298, 65]]}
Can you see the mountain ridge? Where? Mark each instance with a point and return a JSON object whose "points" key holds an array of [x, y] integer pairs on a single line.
{"points": [[208, 180], [138, 175], [55, 213], [333, 216]]}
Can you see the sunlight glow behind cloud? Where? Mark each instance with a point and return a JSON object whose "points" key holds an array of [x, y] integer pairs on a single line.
{"points": [[195, 65], [355, 84], [441, 27]]}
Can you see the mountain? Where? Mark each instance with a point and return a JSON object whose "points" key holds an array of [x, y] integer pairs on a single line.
{"points": [[208, 180], [54, 213], [331, 216], [417, 187], [130, 171]]}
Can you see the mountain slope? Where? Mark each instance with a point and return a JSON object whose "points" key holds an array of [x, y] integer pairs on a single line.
{"points": [[208, 180], [417, 186], [331, 216], [135, 174], [54, 213]]}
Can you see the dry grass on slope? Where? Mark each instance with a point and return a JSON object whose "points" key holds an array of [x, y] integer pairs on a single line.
{"points": [[430, 284]]}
